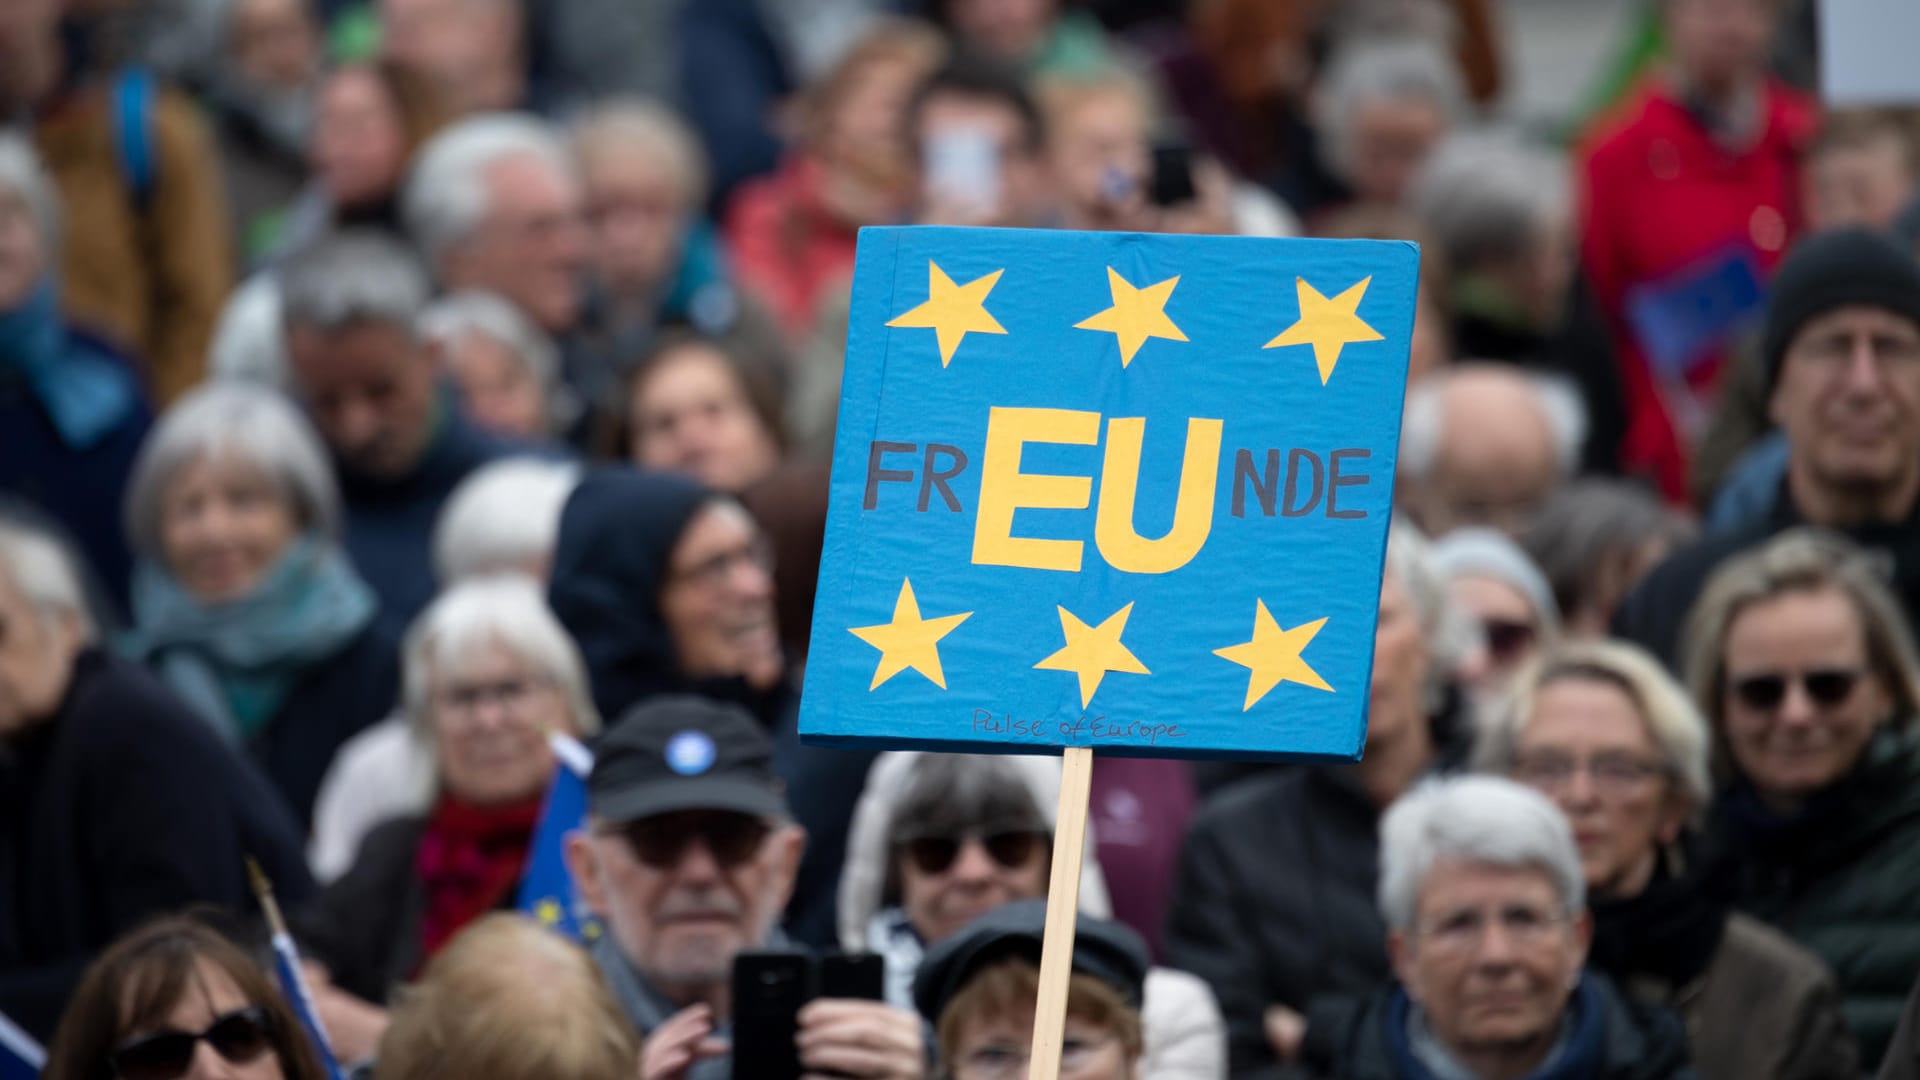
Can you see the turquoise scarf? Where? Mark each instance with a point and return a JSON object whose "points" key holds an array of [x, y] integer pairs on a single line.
{"points": [[236, 662], [85, 394]]}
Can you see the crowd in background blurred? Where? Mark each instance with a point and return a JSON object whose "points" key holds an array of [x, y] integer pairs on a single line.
{"points": [[387, 385]]}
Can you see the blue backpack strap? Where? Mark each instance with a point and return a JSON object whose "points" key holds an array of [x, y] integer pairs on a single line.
{"points": [[134, 94]]}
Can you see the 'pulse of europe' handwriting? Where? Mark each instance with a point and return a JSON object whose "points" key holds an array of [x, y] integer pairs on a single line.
{"points": [[1079, 730]]}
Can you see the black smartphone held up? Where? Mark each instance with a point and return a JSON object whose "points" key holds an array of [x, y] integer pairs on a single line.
{"points": [[1172, 183], [861, 976], [768, 990]]}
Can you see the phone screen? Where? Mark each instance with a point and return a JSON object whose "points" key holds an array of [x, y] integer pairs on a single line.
{"points": [[963, 166], [768, 990]]}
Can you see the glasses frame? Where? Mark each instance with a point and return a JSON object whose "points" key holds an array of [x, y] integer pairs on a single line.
{"points": [[254, 1015]]}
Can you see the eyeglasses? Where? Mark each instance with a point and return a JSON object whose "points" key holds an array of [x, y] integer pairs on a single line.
{"points": [[1611, 774], [1463, 931], [719, 568], [239, 1036], [1764, 692], [508, 694], [1507, 638], [1004, 1061], [662, 841], [936, 854]]}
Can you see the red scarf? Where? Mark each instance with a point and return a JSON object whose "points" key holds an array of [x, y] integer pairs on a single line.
{"points": [[469, 860]]}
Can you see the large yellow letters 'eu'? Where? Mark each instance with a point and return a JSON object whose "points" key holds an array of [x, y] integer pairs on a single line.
{"points": [[1005, 489]]}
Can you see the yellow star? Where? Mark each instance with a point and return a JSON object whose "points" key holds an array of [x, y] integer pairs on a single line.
{"points": [[953, 311], [909, 641], [1273, 656], [1091, 652], [1136, 315], [1327, 325], [548, 912]]}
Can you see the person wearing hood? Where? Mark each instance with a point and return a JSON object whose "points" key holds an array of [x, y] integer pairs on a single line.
{"points": [[72, 414], [668, 588], [941, 840]]}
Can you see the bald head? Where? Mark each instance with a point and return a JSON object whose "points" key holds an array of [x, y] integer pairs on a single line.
{"points": [[1484, 444]]}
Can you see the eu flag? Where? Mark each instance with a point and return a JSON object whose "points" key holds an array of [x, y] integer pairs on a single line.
{"points": [[20, 1057], [547, 890]]}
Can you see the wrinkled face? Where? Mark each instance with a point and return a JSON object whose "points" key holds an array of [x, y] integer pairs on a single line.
{"points": [[1587, 748], [497, 390], [532, 246], [274, 42], [1100, 153], [996, 1048], [224, 523], [690, 414], [1492, 956], [369, 390], [1849, 399], [1389, 140], [947, 882], [1400, 665], [210, 996], [22, 256], [359, 138], [1719, 43], [1865, 185], [1800, 700], [637, 214], [491, 716], [718, 599], [36, 659], [682, 913], [1010, 29]]}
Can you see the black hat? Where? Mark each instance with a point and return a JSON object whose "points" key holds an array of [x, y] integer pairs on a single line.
{"points": [[1105, 950], [681, 752], [1833, 269]]}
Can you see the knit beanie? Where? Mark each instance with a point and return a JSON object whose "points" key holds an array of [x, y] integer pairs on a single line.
{"points": [[1834, 269]]}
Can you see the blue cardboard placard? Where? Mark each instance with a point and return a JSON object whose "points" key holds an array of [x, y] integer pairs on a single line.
{"points": [[1112, 490]]}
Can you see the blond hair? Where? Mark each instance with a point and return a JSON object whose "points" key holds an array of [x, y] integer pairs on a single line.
{"points": [[1011, 988]]}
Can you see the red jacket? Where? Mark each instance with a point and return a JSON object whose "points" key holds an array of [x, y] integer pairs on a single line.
{"points": [[785, 246], [1659, 194]]}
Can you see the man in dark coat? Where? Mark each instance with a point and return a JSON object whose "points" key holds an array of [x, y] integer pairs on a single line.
{"points": [[116, 803], [1842, 348]]}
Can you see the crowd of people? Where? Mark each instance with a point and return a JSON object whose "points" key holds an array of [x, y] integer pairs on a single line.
{"points": [[389, 386]]}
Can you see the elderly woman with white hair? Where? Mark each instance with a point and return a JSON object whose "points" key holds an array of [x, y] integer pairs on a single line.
{"points": [[1273, 924], [243, 601], [1601, 729], [1482, 891], [489, 676], [71, 408], [505, 371], [116, 803], [1380, 107]]}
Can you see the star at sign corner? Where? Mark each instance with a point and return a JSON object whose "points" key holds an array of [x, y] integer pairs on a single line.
{"points": [[952, 311], [1328, 325], [909, 641]]}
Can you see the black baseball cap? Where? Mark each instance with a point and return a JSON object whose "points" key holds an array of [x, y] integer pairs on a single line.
{"points": [[1105, 950], [684, 752]]}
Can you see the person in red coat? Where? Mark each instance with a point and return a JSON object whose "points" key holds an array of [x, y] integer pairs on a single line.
{"points": [[1691, 197]]}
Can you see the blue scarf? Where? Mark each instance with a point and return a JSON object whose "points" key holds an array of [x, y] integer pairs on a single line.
{"points": [[84, 393], [236, 662]]}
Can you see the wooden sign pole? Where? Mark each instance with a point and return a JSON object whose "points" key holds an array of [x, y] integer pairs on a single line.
{"points": [[1063, 908]]}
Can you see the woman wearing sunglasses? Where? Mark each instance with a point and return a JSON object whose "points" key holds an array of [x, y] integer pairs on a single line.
{"points": [[1803, 662], [174, 1000], [1603, 731]]}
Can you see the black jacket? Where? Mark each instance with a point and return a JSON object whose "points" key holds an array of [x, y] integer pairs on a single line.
{"points": [[365, 926], [338, 697], [121, 807], [1350, 1040]]}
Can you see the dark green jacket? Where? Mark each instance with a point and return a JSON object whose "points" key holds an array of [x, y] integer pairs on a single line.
{"points": [[1841, 878]]}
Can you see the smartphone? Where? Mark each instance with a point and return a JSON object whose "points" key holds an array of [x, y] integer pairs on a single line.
{"points": [[963, 165], [860, 976], [1172, 183], [768, 990]]}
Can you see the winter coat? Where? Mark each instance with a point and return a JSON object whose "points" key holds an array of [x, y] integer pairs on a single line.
{"points": [[366, 926]]}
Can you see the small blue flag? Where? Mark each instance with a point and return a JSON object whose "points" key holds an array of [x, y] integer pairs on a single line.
{"points": [[21, 1058], [547, 891], [286, 966], [1682, 319]]}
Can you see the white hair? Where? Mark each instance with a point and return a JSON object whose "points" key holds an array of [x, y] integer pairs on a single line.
{"points": [[506, 611], [451, 318], [250, 338], [1423, 417], [446, 197], [251, 423], [1489, 196], [1449, 634], [503, 516], [23, 173], [655, 131], [353, 277], [44, 571], [1371, 69], [1488, 820]]}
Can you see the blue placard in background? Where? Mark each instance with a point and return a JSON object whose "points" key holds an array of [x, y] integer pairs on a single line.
{"points": [[1110, 490]]}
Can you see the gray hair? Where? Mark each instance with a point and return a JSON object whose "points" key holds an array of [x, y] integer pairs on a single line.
{"points": [[252, 423], [1489, 195], [1373, 69], [353, 277], [446, 198], [1673, 724], [1450, 635], [451, 318], [1473, 819], [1423, 417], [250, 338], [1476, 551], [23, 173], [44, 570], [1591, 523], [508, 611], [503, 516], [1803, 560], [657, 132]]}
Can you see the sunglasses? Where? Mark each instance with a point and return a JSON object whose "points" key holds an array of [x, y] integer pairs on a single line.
{"points": [[1507, 638], [1765, 692], [661, 842], [239, 1036], [937, 854]]}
